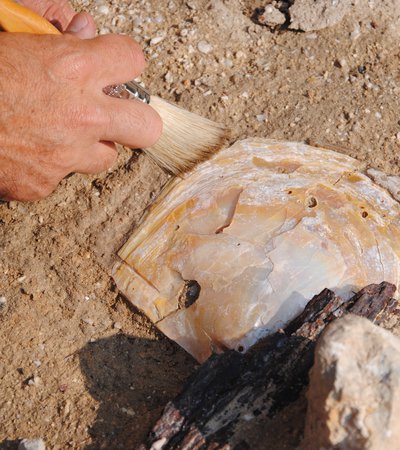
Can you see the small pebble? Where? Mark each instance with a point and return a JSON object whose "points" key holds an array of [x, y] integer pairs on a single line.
{"points": [[261, 117], [378, 115], [103, 9], [34, 381], [117, 325], [32, 444], [3, 303], [37, 363], [156, 40], [88, 321], [169, 78], [227, 62], [204, 47], [128, 411], [248, 416], [356, 33], [361, 69], [159, 445]]}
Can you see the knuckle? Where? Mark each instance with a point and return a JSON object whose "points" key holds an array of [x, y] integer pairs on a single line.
{"points": [[134, 52], [85, 116], [72, 64], [133, 56]]}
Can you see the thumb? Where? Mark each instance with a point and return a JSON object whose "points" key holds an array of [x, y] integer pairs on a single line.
{"points": [[82, 25]]}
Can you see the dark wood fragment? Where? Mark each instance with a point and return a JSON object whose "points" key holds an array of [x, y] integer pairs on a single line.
{"points": [[232, 387], [371, 301]]}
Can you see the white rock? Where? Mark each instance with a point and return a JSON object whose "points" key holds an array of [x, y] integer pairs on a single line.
{"points": [[3, 302], [312, 15], [272, 16], [128, 411], [169, 78], [354, 394], [204, 47], [32, 444], [156, 40], [103, 9], [35, 381]]}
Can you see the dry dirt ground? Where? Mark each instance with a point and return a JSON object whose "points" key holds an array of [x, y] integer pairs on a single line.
{"points": [[81, 368]]}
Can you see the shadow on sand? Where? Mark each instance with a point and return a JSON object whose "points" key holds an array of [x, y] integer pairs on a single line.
{"points": [[132, 379]]}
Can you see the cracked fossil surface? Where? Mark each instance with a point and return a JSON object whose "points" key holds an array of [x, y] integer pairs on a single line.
{"points": [[235, 249]]}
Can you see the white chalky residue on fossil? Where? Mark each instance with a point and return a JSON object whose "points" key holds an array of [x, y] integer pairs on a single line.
{"points": [[262, 227]]}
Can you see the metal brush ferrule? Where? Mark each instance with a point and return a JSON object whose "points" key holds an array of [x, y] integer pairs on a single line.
{"points": [[130, 90], [137, 91]]}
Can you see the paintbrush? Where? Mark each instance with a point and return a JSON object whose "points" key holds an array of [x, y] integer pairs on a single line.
{"points": [[186, 138]]}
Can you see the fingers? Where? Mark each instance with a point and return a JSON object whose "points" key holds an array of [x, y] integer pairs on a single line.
{"points": [[83, 26], [114, 59], [131, 123], [96, 159], [58, 12]]}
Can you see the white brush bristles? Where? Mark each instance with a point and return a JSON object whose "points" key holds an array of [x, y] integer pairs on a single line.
{"points": [[186, 138]]}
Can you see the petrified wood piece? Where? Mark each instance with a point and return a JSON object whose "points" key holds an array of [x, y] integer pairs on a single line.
{"points": [[233, 387]]}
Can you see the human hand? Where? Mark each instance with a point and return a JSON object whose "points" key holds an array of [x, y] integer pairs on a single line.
{"points": [[62, 16], [55, 118]]}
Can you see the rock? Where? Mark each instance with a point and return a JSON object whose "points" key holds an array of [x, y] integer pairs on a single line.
{"points": [[271, 17], [204, 47], [354, 394], [32, 444], [3, 304], [156, 40], [34, 380], [389, 182], [103, 10], [311, 15]]}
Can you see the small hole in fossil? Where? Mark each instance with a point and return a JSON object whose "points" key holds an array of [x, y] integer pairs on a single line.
{"points": [[193, 289], [364, 214], [289, 192], [240, 348], [312, 202]]}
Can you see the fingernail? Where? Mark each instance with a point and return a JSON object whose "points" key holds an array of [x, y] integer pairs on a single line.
{"points": [[78, 23]]}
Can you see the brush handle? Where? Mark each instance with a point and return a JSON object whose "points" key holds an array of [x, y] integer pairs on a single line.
{"points": [[17, 18]]}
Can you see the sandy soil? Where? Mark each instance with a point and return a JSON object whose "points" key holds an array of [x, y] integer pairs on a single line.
{"points": [[81, 368]]}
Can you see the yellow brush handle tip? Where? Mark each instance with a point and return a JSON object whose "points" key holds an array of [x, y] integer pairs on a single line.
{"points": [[17, 18]]}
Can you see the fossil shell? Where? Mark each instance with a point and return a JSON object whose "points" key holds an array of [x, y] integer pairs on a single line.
{"points": [[237, 248]]}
